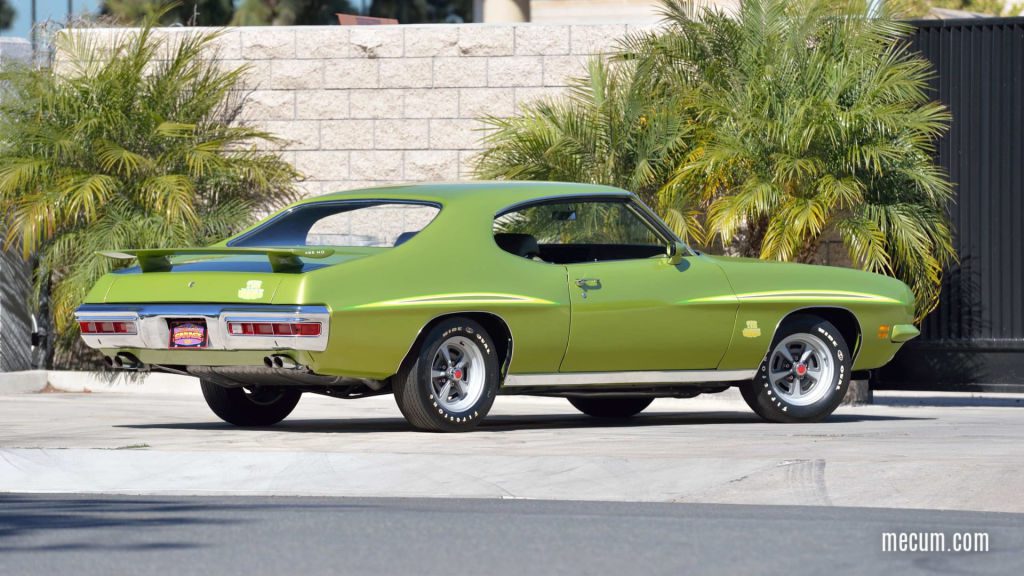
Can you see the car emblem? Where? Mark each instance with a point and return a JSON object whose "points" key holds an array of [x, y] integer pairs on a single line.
{"points": [[751, 331], [253, 290], [191, 284]]}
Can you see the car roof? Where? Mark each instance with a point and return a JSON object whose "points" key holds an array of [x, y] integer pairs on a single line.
{"points": [[496, 193]]}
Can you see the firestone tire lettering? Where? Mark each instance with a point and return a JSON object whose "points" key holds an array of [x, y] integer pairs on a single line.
{"points": [[762, 398], [413, 387]]}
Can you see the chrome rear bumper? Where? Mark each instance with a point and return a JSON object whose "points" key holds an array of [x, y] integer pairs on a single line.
{"points": [[153, 332]]}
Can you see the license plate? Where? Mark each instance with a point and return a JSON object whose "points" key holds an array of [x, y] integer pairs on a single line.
{"points": [[188, 333]]}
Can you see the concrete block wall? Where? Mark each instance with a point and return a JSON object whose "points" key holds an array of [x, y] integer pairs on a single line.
{"points": [[373, 105]]}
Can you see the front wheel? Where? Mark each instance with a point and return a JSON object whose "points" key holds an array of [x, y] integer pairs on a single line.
{"points": [[450, 383], [610, 407], [805, 374], [256, 406]]}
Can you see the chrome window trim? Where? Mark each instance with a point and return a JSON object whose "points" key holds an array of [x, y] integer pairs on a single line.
{"points": [[154, 334], [630, 377]]}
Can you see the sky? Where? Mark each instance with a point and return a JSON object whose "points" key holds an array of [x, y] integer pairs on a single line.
{"points": [[45, 9]]}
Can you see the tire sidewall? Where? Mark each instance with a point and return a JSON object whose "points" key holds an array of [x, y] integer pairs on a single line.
{"points": [[776, 406], [234, 406], [479, 337]]}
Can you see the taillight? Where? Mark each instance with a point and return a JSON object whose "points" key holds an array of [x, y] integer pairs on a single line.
{"points": [[117, 327], [274, 328]]}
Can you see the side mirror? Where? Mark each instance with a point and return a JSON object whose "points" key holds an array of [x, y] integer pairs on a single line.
{"points": [[675, 253]]}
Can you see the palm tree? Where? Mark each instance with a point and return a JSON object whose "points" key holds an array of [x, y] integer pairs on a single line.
{"points": [[129, 144], [805, 120], [814, 120], [609, 129]]}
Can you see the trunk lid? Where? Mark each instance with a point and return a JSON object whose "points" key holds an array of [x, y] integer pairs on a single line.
{"points": [[215, 275]]}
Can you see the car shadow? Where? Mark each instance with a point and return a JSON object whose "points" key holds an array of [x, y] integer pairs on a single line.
{"points": [[507, 423]]}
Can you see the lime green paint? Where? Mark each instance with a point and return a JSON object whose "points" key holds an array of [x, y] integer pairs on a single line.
{"points": [[462, 298], [904, 332], [635, 321], [799, 295], [281, 259], [647, 314]]}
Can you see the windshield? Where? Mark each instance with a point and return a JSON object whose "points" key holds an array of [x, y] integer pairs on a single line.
{"points": [[345, 223]]}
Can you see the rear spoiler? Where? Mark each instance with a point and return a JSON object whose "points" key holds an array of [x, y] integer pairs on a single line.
{"points": [[281, 259]]}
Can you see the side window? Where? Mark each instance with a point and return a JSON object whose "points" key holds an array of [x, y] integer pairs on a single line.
{"points": [[578, 231], [347, 223], [380, 225]]}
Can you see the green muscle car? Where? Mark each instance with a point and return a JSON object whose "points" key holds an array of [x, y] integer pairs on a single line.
{"points": [[450, 294]]}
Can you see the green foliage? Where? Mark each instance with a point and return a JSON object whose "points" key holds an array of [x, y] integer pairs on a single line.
{"points": [[769, 131], [919, 8], [289, 12], [607, 130], [127, 144], [188, 12]]}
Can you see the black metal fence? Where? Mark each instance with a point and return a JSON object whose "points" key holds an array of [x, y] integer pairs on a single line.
{"points": [[975, 340]]}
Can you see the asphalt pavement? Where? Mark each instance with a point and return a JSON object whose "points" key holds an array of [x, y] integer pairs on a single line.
{"points": [[90, 535], [954, 453]]}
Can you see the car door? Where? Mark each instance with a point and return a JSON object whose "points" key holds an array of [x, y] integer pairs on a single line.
{"points": [[631, 310]]}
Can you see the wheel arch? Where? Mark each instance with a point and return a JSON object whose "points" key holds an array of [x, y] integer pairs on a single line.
{"points": [[495, 325], [842, 318]]}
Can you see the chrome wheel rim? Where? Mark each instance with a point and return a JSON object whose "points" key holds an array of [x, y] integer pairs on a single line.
{"points": [[800, 369], [457, 374]]}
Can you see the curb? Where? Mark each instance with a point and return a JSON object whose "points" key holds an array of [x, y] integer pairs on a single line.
{"points": [[67, 381], [57, 381]]}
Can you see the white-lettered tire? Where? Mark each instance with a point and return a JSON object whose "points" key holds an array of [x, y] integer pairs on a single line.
{"points": [[805, 374], [610, 407], [258, 406], [450, 381]]}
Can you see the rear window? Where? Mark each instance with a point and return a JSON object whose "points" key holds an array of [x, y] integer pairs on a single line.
{"points": [[349, 223]]}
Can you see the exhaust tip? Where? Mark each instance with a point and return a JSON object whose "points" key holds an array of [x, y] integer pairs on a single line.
{"points": [[108, 361], [127, 362], [281, 361]]}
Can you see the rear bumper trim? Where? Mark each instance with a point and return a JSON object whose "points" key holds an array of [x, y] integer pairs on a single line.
{"points": [[154, 334]]}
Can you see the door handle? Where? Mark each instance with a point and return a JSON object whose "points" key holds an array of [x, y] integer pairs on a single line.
{"points": [[588, 283]]}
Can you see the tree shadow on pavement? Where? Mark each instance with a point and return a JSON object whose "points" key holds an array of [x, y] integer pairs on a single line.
{"points": [[506, 423], [78, 523]]}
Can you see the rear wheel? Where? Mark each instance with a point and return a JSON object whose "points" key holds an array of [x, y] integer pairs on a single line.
{"points": [[450, 383], [255, 406], [805, 374], [610, 407]]}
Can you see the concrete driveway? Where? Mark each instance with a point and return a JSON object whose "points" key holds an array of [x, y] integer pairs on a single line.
{"points": [[937, 452]]}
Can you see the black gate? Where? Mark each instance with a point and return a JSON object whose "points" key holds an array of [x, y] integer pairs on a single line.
{"points": [[975, 340]]}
